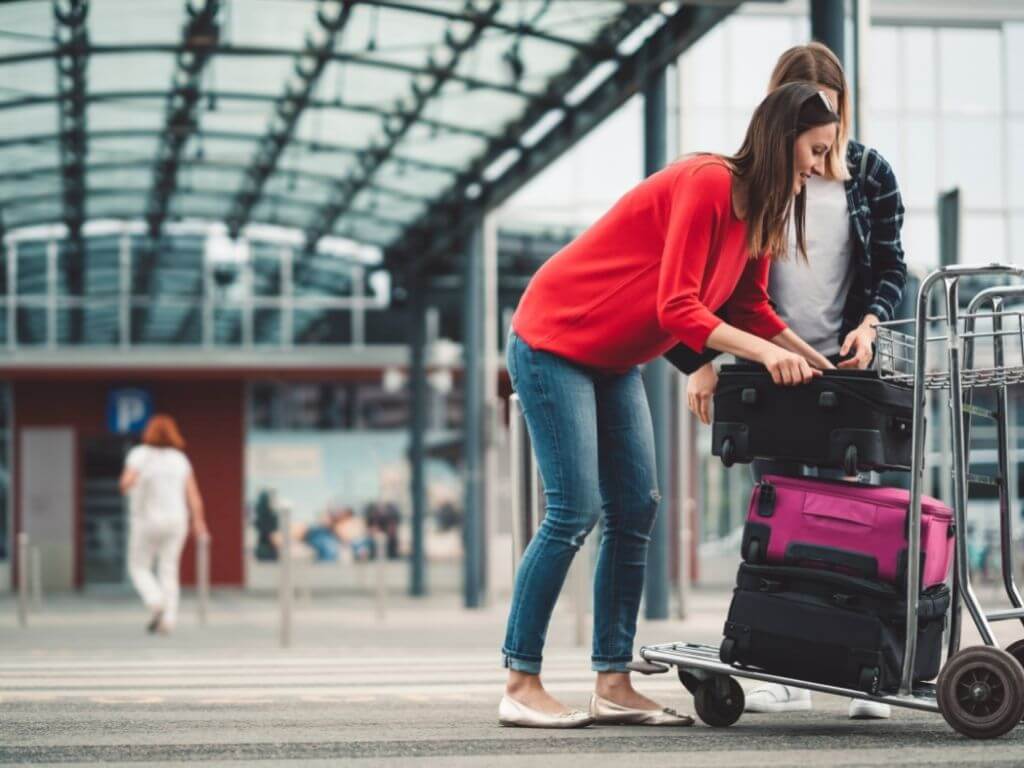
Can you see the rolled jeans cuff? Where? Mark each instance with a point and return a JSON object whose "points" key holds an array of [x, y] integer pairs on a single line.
{"points": [[529, 666], [610, 665]]}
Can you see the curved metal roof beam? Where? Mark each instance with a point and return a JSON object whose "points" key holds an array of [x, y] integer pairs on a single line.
{"points": [[72, 37], [298, 90], [128, 165], [100, 97], [284, 201], [422, 237], [356, 59], [200, 35], [523, 29], [134, 216], [396, 127], [311, 146]]}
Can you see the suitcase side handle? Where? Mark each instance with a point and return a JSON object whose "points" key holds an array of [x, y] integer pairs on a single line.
{"points": [[765, 499], [855, 562]]}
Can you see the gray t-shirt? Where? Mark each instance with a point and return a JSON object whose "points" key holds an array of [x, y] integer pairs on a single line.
{"points": [[810, 295]]}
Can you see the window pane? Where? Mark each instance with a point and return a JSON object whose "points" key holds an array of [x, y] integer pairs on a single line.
{"points": [[971, 73], [1013, 39], [1016, 162], [921, 240], [883, 88], [916, 172], [703, 72], [884, 136], [983, 239], [754, 45], [919, 78], [972, 160], [1017, 239]]}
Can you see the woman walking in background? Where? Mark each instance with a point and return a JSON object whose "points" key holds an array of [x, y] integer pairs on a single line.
{"points": [[163, 496]]}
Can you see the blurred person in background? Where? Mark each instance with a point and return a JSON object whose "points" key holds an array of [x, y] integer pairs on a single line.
{"points": [[163, 497]]}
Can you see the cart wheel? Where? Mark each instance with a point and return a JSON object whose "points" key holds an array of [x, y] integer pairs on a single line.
{"points": [[1017, 651], [728, 452], [981, 692], [850, 460], [719, 701], [868, 680], [690, 681]]}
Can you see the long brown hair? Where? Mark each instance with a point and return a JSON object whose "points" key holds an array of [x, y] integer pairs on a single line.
{"points": [[763, 167], [162, 432], [816, 63]]}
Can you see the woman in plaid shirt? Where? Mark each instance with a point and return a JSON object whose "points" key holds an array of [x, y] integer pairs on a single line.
{"points": [[852, 279]]}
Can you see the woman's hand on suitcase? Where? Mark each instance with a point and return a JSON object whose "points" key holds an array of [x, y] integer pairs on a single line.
{"points": [[700, 388], [787, 368]]}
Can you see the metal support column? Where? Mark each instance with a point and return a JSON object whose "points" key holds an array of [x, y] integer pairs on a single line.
{"points": [[472, 419], [827, 25], [657, 375], [124, 309], [418, 424], [493, 425], [949, 254], [12, 295], [861, 33]]}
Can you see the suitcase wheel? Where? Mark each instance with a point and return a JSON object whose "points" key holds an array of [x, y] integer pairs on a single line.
{"points": [[719, 701], [728, 650], [728, 452], [850, 460], [868, 680], [981, 692], [754, 554]]}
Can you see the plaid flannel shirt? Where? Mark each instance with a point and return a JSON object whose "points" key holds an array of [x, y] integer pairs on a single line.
{"points": [[876, 217]]}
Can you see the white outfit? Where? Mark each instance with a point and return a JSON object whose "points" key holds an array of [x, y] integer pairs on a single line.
{"points": [[159, 525], [810, 296]]}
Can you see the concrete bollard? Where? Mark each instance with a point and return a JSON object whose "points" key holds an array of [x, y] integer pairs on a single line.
{"points": [[36, 563], [380, 547], [203, 577], [23, 566], [286, 590], [520, 477]]}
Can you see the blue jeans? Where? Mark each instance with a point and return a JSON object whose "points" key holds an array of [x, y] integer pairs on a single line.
{"points": [[594, 441]]}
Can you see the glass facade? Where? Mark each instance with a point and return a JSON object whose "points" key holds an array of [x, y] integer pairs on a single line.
{"points": [[337, 454], [198, 288]]}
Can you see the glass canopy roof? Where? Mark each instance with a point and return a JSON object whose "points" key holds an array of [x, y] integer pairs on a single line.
{"points": [[332, 117]]}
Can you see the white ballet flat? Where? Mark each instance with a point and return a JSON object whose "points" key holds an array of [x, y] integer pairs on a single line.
{"points": [[512, 713], [607, 712]]}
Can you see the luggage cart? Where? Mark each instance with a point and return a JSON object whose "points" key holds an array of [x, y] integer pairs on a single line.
{"points": [[979, 690]]}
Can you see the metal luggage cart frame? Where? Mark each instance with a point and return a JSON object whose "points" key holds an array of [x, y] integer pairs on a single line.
{"points": [[979, 690]]}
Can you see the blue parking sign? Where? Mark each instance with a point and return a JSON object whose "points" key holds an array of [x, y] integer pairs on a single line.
{"points": [[128, 410]]}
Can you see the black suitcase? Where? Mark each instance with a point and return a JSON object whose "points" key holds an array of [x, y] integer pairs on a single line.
{"points": [[847, 419], [830, 628]]}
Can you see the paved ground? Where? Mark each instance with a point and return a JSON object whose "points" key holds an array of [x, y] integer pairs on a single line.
{"points": [[84, 685]]}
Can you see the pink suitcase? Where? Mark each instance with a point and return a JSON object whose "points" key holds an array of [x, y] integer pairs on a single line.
{"points": [[848, 527]]}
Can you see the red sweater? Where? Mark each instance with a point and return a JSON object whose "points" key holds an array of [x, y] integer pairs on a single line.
{"points": [[651, 272]]}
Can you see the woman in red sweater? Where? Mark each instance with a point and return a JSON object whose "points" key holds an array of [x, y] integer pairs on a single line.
{"points": [[687, 246]]}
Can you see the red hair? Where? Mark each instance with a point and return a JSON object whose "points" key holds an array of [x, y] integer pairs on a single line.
{"points": [[162, 432]]}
